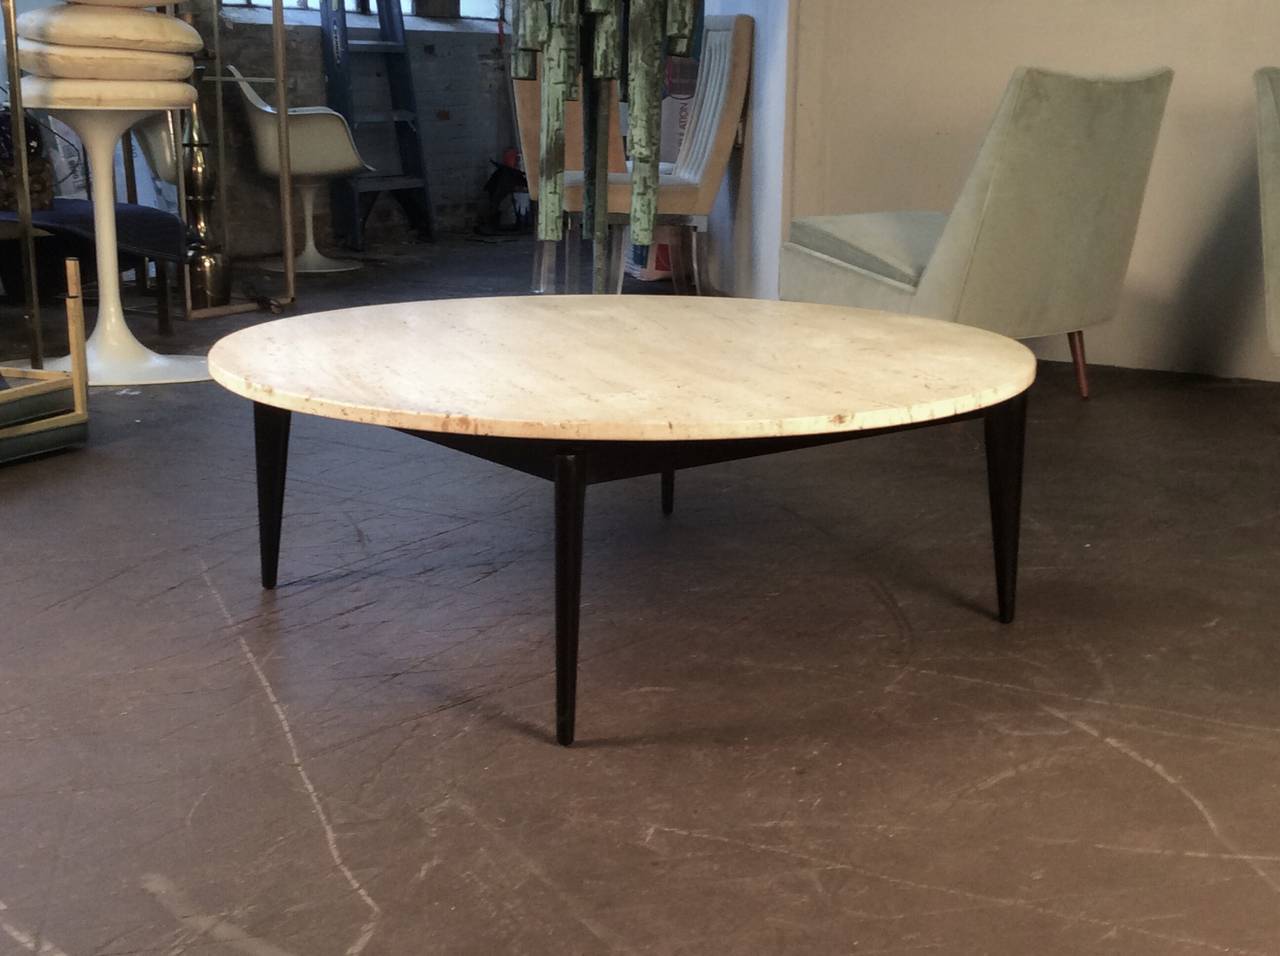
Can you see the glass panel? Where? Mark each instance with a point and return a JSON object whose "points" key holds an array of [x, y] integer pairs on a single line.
{"points": [[353, 6], [483, 9]]}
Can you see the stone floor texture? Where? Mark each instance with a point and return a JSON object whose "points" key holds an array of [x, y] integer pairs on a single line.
{"points": [[801, 729]]}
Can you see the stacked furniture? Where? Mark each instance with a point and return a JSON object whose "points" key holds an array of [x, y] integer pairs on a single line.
{"points": [[528, 105], [101, 66], [1038, 242], [687, 190]]}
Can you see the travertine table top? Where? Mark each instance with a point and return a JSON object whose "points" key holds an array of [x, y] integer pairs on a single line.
{"points": [[629, 368]]}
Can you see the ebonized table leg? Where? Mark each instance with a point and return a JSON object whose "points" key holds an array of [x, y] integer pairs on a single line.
{"points": [[668, 491], [271, 442], [1006, 440], [571, 494], [572, 468]]}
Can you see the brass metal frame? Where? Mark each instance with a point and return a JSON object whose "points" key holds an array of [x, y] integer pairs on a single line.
{"points": [[281, 79], [35, 436], [31, 306]]}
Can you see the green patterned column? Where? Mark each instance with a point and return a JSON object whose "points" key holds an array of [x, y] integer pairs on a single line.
{"points": [[559, 30], [646, 41], [559, 82], [680, 19]]}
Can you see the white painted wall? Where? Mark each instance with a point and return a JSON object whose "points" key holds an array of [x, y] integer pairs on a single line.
{"points": [[747, 224], [893, 99]]}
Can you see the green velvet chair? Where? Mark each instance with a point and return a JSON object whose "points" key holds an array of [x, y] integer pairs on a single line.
{"points": [[1039, 240], [1268, 83]]}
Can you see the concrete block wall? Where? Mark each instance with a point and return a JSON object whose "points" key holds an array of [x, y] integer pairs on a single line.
{"points": [[463, 103], [459, 78]]}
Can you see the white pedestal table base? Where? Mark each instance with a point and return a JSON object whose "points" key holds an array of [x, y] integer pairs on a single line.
{"points": [[115, 356]]}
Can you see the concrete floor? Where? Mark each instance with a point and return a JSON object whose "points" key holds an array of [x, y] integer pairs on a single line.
{"points": [[801, 729]]}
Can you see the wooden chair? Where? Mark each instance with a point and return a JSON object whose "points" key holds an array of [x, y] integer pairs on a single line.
{"points": [[528, 101]]}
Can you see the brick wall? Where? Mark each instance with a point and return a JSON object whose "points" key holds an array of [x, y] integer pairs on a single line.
{"points": [[464, 111]]}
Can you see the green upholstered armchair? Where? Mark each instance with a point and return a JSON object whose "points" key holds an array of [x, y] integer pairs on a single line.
{"points": [[1268, 83], [1039, 240]]}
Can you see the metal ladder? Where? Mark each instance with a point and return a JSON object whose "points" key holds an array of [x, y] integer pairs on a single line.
{"points": [[353, 198]]}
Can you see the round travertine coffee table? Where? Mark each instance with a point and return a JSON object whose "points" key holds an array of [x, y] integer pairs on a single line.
{"points": [[587, 389]]}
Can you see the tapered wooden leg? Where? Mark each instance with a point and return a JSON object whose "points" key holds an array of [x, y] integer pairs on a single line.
{"points": [[1077, 357], [571, 493], [1006, 440], [698, 259], [681, 250], [544, 267], [617, 268], [539, 253], [668, 492], [271, 440], [573, 256]]}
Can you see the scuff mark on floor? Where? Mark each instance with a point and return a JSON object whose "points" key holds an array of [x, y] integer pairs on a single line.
{"points": [[1249, 859], [1014, 902], [214, 927], [331, 838], [31, 943]]}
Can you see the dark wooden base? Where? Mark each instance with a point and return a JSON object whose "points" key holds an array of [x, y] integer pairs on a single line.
{"points": [[271, 444], [573, 466]]}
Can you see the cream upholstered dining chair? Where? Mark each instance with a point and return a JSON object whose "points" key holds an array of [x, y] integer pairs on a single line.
{"points": [[528, 100], [687, 189], [1039, 240], [1268, 85], [321, 147], [528, 104]]}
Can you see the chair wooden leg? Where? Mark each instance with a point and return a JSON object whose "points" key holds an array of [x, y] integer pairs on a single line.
{"points": [[698, 258], [573, 256], [1077, 356], [680, 252], [617, 268], [538, 254], [544, 268]]}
